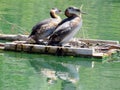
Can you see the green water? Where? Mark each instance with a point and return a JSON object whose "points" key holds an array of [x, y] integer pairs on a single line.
{"points": [[21, 71]]}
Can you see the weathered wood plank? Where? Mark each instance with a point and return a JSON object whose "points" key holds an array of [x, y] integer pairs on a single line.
{"points": [[96, 41], [49, 49], [56, 50]]}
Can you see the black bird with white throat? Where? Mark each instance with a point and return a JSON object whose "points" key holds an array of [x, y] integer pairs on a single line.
{"points": [[45, 28], [67, 28]]}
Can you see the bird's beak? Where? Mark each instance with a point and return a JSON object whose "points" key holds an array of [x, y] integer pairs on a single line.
{"points": [[81, 9], [59, 11], [78, 10]]}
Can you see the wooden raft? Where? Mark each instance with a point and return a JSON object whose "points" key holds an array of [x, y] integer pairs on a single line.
{"points": [[78, 47], [32, 48], [56, 50]]}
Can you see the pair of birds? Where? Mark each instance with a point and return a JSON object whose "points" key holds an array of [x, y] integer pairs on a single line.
{"points": [[58, 31]]}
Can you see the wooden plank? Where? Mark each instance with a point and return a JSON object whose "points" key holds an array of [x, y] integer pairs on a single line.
{"points": [[96, 41], [114, 46], [98, 55], [56, 50], [49, 49]]}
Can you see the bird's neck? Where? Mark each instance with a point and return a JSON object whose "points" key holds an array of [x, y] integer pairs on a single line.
{"points": [[54, 15], [80, 16], [75, 18], [74, 15]]}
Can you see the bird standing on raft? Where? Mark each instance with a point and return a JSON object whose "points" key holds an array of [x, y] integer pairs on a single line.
{"points": [[67, 28], [45, 28]]}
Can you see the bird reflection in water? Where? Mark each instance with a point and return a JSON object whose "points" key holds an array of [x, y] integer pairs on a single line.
{"points": [[56, 70]]}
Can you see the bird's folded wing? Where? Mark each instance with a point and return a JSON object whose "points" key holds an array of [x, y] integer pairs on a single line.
{"points": [[38, 26]]}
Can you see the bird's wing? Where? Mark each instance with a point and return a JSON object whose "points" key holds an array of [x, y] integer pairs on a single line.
{"points": [[65, 24], [38, 26], [61, 31], [47, 27]]}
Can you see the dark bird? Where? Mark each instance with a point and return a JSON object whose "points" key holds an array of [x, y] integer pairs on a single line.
{"points": [[67, 28], [45, 28]]}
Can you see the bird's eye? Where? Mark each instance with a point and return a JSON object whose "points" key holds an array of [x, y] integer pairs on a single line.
{"points": [[78, 10], [70, 7], [53, 8]]}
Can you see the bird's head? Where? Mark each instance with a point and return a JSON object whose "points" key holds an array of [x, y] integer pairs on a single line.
{"points": [[70, 11], [54, 13], [55, 10]]}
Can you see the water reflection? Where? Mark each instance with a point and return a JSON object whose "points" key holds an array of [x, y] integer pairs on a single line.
{"points": [[55, 69], [44, 71], [68, 72]]}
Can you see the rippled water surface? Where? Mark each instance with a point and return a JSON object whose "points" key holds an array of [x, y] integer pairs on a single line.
{"points": [[21, 71]]}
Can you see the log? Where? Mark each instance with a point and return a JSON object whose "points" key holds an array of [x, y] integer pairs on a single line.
{"points": [[13, 37]]}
